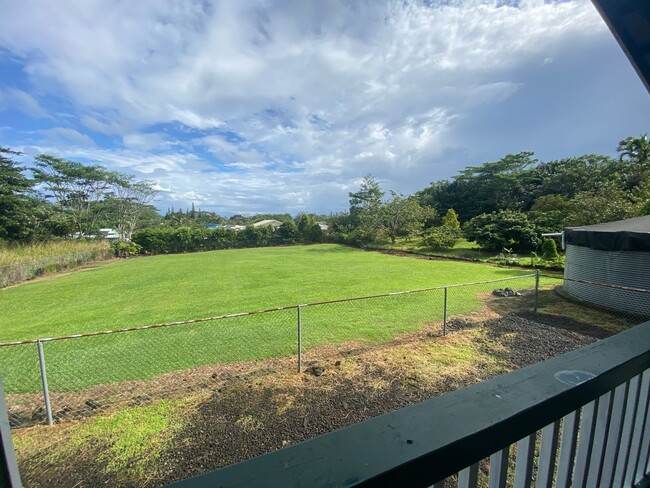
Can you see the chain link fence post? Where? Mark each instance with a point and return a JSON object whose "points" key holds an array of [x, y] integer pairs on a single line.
{"points": [[444, 314], [536, 302], [46, 391], [299, 338]]}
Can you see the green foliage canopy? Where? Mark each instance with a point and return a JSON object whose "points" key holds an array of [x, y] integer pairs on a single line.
{"points": [[505, 230]]}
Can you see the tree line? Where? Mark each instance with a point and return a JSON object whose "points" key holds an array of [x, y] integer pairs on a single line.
{"points": [[505, 204], [58, 198]]}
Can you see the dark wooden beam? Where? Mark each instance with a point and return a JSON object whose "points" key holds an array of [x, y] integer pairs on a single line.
{"points": [[629, 21]]}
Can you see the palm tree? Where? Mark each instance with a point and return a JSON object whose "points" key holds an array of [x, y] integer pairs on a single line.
{"points": [[635, 154], [635, 149]]}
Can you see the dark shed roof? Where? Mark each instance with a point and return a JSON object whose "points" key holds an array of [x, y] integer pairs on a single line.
{"points": [[622, 235]]}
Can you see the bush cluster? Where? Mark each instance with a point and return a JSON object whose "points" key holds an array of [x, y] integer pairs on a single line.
{"points": [[441, 238], [193, 239]]}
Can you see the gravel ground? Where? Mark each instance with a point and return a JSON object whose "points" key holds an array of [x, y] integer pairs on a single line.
{"points": [[253, 414]]}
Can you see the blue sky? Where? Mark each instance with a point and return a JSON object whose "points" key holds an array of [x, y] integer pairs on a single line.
{"points": [[283, 106]]}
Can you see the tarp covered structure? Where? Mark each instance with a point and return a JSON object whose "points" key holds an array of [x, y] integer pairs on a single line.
{"points": [[622, 235]]}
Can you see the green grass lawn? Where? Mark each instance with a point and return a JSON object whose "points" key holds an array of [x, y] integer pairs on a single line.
{"points": [[178, 287]]}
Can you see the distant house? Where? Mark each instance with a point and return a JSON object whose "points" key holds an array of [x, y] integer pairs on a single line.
{"points": [[109, 234], [268, 223], [225, 226], [324, 226]]}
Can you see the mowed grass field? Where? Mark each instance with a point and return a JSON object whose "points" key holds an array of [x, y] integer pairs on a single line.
{"points": [[179, 287]]}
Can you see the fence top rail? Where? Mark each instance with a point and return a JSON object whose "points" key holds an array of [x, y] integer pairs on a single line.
{"points": [[606, 285], [255, 312]]}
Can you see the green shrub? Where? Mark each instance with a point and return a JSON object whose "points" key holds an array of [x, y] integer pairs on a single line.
{"points": [[440, 238], [503, 230], [124, 249], [549, 250]]}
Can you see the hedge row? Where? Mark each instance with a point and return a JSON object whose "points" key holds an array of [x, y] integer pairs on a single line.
{"points": [[192, 239]]}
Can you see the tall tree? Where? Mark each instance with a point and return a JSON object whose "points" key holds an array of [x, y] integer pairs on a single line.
{"points": [[400, 216], [131, 198], [498, 185], [636, 149], [634, 153], [549, 213], [503, 231], [308, 229], [366, 200], [604, 205], [77, 188], [14, 200]]}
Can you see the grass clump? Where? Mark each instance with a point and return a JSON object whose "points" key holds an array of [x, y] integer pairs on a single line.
{"points": [[126, 445]]}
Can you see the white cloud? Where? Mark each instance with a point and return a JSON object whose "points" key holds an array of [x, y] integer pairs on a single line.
{"points": [[23, 101], [143, 142], [68, 135], [314, 94]]}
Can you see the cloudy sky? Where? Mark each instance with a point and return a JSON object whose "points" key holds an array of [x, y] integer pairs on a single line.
{"points": [[283, 106]]}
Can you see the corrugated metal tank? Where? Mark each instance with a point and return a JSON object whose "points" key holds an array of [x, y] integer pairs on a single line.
{"points": [[625, 268]]}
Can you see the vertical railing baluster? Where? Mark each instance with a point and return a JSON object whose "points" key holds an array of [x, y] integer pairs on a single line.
{"points": [[583, 454], [567, 450], [468, 477], [9, 474], [524, 461], [626, 438], [637, 430], [499, 468], [599, 439], [547, 454], [614, 434], [644, 445]]}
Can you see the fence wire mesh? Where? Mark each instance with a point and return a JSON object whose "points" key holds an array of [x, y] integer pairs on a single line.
{"points": [[96, 374]]}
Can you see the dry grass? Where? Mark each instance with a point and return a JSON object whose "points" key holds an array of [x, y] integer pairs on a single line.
{"points": [[20, 263], [21, 253]]}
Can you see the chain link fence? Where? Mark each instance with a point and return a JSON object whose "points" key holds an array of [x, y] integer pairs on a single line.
{"points": [[53, 379]]}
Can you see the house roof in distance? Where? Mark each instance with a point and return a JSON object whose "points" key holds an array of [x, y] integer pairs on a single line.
{"points": [[621, 235], [268, 222]]}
